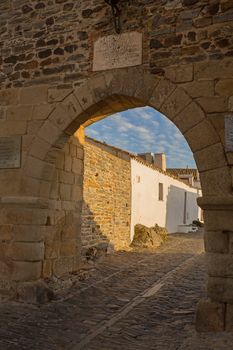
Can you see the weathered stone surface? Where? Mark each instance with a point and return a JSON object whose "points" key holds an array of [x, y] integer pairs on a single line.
{"points": [[189, 117], [180, 74], [220, 289], [211, 184], [220, 264], [201, 136], [224, 87], [175, 103], [34, 292], [210, 158], [105, 219], [26, 271], [145, 237], [117, 51], [229, 317], [216, 242], [28, 251], [210, 316], [218, 220]]}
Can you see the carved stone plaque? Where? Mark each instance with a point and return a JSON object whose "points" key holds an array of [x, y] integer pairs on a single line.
{"points": [[229, 133], [10, 152], [118, 51]]}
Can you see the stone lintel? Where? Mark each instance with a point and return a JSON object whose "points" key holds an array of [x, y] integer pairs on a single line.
{"points": [[216, 202]]}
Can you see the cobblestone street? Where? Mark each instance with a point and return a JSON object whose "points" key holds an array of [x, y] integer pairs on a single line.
{"points": [[130, 300]]}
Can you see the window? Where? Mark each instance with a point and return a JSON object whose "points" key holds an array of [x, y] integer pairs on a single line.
{"points": [[160, 191]]}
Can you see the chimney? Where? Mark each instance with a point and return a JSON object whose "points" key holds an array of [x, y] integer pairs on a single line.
{"points": [[160, 161], [149, 157]]}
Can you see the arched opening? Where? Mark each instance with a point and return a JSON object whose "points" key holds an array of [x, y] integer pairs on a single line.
{"points": [[102, 95], [56, 220], [133, 176]]}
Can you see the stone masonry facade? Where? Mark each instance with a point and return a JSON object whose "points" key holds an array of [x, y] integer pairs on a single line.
{"points": [[106, 212], [48, 91]]}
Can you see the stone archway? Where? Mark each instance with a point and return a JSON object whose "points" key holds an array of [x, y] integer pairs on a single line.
{"points": [[64, 112]]}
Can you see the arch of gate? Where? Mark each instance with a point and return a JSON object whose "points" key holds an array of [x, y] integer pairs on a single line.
{"points": [[44, 225]]}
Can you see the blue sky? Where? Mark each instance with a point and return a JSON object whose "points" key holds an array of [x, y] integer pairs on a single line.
{"points": [[142, 130]]}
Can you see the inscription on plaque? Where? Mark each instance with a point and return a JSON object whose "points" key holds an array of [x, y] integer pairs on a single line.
{"points": [[118, 51], [10, 151], [229, 133]]}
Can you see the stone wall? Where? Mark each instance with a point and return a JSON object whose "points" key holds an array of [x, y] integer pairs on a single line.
{"points": [[62, 241], [106, 212], [51, 41], [50, 44]]}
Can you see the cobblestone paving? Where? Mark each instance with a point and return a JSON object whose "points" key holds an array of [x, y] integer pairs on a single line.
{"points": [[131, 300]]}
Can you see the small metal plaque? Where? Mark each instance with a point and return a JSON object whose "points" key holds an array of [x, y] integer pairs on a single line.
{"points": [[118, 51], [10, 152]]}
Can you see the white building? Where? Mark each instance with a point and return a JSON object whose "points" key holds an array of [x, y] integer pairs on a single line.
{"points": [[160, 198]]}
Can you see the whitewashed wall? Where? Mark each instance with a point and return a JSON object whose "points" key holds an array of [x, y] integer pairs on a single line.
{"points": [[146, 207]]}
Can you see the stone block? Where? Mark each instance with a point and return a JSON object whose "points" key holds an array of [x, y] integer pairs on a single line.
{"points": [[63, 265], [65, 192], [34, 292], [52, 249], [230, 103], [27, 251], [213, 104], [6, 233], [224, 87], [211, 71], [98, 86], [229, 318], [24, 216], [18, 127], [216, 182], [34, 95], [199, 88], [34, 167], [179, 74], [77, 166], [189, 117], [39, 148], [216, 242], [77, 193], [220, 265], [201, 136], [2, 114], [28, 233], [218, 220], [210, 158], [47, 269], [60, 161], [66, 177], [210, 316], [49, 132], [9, 97], [175, 103], [42, 111], [26, 271], [230, 235], [85, 96], [30, 186], [69, 205], [144, 88], [19, 113], [68, 248], [58, 95], [162, 91], [66, 112], [220, 289], [68, 163]]}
